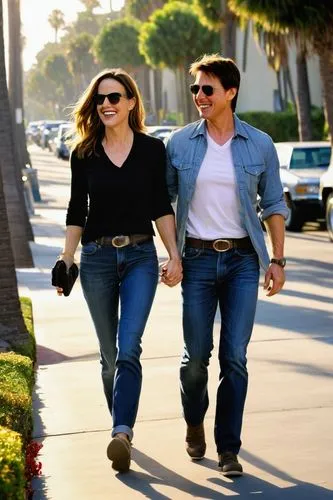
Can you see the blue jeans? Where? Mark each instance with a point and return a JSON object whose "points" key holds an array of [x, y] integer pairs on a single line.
{"points": [[228, 279], [128, 276]]}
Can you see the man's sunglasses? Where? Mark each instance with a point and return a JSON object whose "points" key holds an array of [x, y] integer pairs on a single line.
{"points": [[208, 90], [113, 98]]}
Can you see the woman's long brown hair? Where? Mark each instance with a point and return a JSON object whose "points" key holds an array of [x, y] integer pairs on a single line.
{"points": [[87, 125]]}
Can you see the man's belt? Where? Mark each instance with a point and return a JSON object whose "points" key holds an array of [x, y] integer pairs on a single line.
{"points": [[120, 240], [221, 244]]}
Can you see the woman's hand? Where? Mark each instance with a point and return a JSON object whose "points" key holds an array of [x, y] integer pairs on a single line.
{"points": [[69, 260], [172, 272]]}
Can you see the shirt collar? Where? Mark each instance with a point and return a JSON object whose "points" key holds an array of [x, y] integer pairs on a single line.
{"points": [[200, 128]]}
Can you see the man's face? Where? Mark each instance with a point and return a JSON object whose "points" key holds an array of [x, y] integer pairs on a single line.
{"points": [[213, 106]]}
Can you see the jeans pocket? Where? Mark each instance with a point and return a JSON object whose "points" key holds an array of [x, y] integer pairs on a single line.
{"points": [[191, 253], [89, 248], [145, 247], [245, 252]]}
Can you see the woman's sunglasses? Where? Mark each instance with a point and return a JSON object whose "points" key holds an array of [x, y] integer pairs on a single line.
{"points": [[208, 90], [113, 98]]}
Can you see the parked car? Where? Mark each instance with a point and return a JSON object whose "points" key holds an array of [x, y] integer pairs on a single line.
{"points": [[161, 131], [326, 197], [301, 166], [61, 148]]}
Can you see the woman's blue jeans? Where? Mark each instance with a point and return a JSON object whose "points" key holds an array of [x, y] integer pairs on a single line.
{"points": [[127, 277], [230, 280]]}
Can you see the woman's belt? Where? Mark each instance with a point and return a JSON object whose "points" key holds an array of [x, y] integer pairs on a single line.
{"points": [[121, 240]]}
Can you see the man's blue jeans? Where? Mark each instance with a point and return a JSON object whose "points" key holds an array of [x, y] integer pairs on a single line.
{"points": [[128, 276], [230, 280]]}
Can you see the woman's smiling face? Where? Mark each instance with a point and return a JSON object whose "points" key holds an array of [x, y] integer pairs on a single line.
{"points": [[113, 115]]}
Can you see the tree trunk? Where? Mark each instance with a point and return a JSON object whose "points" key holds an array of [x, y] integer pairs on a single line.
{"points": [[15, 89], [158, 95], [13, 196], [303, 101], [278, 78], [228, 31], [12, 327], [181, 94], [326, 72]]}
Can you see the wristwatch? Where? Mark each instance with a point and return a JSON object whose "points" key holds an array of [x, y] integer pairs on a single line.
{"points": [[280, 262]]}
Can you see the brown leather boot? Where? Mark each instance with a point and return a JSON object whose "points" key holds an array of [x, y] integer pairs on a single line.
{"points": [[119, 452], [195, 439]]}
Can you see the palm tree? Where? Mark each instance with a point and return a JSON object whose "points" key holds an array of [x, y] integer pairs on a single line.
{"points": [[12, 328], [15, 90], [90, 5], [13, 189], [305, 20], [57, 21]]}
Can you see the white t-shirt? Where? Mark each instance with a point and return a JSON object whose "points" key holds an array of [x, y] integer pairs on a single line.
{"points": [[214, 209]]}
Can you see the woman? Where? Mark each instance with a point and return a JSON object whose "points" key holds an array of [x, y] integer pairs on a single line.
{"points": [[121, 172]]}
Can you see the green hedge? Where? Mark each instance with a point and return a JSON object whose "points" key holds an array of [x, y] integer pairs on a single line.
{"points": [[16, 383], [283, 126], [12, 466]]}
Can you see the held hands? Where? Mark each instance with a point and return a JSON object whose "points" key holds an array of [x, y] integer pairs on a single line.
{"points": [[172, 272], [274, 279]]}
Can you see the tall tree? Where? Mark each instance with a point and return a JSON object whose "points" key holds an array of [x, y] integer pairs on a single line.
{"points": [[57, 21], [174, 37], [143, 9], [90, 5], [15, 89], [305, 19], [81, 59], [12, 190], [217, 15]]}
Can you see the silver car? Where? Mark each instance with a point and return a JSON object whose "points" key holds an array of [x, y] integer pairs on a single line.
{"points": [[301, 166], [326, 196]]}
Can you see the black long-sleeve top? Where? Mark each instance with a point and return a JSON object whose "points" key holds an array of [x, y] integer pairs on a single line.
{"points": [[107, 200]]}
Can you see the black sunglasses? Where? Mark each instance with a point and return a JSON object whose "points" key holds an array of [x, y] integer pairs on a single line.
{"points": [[113, 98], [208, 90]]}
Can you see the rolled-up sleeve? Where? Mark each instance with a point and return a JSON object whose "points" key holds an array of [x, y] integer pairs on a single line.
{"points": [[161, 202], [270, 190], [78, 204]]}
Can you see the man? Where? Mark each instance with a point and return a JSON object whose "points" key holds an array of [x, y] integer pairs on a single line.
{"points": [[217, 167]]}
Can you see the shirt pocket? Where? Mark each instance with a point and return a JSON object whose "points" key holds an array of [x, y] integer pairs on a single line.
{"points": [[252, 173]]}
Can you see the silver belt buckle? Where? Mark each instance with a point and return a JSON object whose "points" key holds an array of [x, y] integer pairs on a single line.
{"points": [[217, 245], [120, 241]]}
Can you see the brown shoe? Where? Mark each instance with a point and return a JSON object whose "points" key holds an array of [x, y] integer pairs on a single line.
{"points": [[119, 452], [195, 439], [229, 464]]}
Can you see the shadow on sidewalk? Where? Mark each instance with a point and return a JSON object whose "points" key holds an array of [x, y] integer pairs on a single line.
{"points": [[244, 487]]}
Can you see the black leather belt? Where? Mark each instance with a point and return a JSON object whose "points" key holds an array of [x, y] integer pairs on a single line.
{"points": [[221, 244], [121, 240]]}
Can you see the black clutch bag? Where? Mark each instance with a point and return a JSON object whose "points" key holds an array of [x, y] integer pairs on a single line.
{"points": [[63, 279]]}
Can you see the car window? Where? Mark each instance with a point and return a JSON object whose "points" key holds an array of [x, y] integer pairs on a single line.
{"points": [[310, 157]]}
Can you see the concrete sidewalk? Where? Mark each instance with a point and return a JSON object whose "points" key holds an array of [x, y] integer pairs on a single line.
{"points": [[287, 434]]}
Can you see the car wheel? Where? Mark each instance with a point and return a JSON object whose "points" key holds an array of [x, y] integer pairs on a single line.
{"points": [[294, 221], [329, 216]]}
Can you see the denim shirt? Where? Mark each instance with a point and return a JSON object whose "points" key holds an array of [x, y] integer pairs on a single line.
{"points": [[256, 170]]}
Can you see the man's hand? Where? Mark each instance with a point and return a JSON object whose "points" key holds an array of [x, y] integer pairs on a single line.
{"points": [[274, 279], [172, 272]]}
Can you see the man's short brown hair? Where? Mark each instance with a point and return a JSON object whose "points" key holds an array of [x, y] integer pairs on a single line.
{"points": [[223, 68]]}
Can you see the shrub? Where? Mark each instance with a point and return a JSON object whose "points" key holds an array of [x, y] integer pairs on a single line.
{"points": [[12, 478], [16, 382], [283, 126]]}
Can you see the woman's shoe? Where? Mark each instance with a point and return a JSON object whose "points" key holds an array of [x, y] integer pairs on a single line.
{"points": [[119, 452]]}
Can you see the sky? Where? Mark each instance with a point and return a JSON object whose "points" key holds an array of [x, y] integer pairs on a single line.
{"points": [[35, 26]]}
